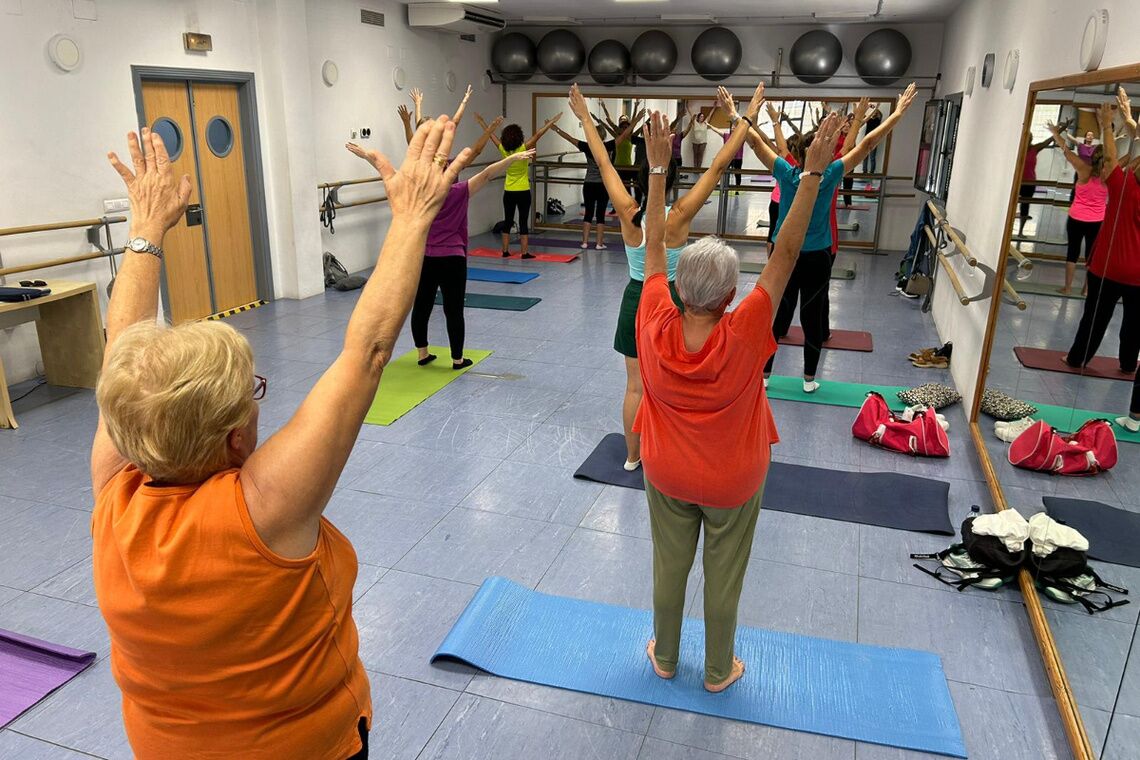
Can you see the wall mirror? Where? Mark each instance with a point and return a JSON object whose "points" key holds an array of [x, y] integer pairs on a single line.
{"points": [[1061, 347]]}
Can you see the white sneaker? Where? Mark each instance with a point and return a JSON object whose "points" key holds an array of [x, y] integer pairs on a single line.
{"points": [[810, 386], [765, 382], [1128, 423], [631, 466], [584, 246], [1009, 431], [600, 247]]}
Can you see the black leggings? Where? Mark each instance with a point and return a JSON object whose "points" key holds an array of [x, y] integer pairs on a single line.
{"points": [[520, 200], [1099, 307], [736, 163], [773, 217], [1078, 231], [596, 197], [363, 753], [1026, 193], [449, 275], [848, 183], [809, 284]]}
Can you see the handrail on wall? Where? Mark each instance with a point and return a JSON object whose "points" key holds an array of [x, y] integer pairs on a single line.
{"points": [[1017, 299], [367, 180], [92, 225], [945, 226], [954, 281], [98, 222], [1022, 261]]}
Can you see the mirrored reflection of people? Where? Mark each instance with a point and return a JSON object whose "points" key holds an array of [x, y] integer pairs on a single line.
{"points": [[700, 138], [1114, 266], [871, 163], [1087, 210], [1029, 178]]}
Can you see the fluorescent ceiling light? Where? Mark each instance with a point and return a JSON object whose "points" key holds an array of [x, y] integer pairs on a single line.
{"points": [[550, 20], [687, 17], [842, 16]]}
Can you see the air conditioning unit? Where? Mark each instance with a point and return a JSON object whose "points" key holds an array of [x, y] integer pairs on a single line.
{"points": [[453, 17]]}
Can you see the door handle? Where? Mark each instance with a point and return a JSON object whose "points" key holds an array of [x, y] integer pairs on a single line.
{"points": [[194, 215]]}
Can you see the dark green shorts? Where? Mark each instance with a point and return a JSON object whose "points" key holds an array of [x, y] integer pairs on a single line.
{"points": [[625, 337]]}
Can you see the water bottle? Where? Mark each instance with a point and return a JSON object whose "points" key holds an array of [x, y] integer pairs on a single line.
{"points": [[974, 512]]}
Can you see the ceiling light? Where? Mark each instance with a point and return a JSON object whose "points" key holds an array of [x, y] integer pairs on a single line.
{"points": [[687, 17], [550, 20], [841, 16]]}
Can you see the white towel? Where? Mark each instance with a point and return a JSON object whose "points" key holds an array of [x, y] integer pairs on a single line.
{"points": [[1008, 525]]}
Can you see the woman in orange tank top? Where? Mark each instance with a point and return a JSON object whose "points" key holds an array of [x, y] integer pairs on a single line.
{"points": [[227, 595]]}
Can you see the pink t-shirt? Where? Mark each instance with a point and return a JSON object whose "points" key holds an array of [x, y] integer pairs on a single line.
{"points": [[448, 233], [1089, 201]]}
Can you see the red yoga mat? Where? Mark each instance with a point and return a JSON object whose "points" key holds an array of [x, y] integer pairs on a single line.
{"points": [[841, 340], [1053, 361], [557, 258]]}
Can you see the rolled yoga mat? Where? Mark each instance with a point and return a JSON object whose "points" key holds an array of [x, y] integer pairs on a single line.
{"points": [[405, 384], [841, 340], [494, 253], [837, 273], [30, 669], [880, 695], [887, 499], [1053, 361], [499, 275], [1113, 534], [500, 303]]}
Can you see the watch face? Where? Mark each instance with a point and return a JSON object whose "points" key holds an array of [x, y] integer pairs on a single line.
{"points": [[137, 245]]}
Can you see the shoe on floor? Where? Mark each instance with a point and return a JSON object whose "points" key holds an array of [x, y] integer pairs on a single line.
{"points": [[584, 246], [506, 254], [934, 362], [631, 466], [1009, 431], [528, 255], [810, 386], [1128, 423], [600, 247], [925, 353]]}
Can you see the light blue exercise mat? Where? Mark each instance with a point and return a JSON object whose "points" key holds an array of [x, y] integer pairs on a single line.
{"points": [[499, 275], [894, 697]]}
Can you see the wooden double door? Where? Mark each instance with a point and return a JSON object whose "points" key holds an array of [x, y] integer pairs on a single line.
{"points": [[209, 261]]}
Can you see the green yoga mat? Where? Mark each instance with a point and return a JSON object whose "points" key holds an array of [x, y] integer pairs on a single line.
{"points": [[838, 273], [1044, 289], [500, 303], [1068, 419], [405, 385], [832, 392]]}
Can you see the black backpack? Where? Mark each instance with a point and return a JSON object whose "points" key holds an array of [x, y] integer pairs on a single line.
{"points": [[337, 277]]}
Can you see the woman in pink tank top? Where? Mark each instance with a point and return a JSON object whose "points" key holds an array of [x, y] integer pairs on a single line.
{"points": [[1090, 200]]}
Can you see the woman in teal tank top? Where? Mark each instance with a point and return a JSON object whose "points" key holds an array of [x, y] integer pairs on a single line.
{"points": [[680, 217]]}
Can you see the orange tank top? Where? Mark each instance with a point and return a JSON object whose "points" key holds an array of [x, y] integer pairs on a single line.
{"points": [[221, 647]]}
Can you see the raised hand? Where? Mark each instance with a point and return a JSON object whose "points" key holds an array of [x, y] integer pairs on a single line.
{"points": [[773, 114], [418, 188], [1125, 105], [862, 108], [158, 198], [1055, 129], [726, 102], [1104, 117], [525, 155], [405, 114], [821, 152], [417, 96], [906, 98], [754, 104], [467, 93], [578, 105], [658, 140]]}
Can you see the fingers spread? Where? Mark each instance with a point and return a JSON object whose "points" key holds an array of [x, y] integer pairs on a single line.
{"points": [[127, 175], [459, 164], [383, 165]]}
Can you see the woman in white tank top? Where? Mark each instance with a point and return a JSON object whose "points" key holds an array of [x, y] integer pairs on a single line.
{"points": [[700, 139]]}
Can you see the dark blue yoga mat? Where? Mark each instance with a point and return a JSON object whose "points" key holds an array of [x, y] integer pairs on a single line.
{"points": [[887, 499], [1113, 534], [499, 275], [893, 697]]}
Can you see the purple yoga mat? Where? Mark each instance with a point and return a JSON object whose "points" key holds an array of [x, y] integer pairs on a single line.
{"points": [[31, 669]]}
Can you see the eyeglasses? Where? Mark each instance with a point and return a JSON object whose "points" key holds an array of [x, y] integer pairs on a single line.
{"points": [[259, 386], [33, 284]]}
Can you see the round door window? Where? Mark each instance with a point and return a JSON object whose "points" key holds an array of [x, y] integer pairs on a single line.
{"points": [[171, 136], [219, 136]]}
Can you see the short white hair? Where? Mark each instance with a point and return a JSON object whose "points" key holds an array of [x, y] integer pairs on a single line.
{"points": [[707, 273]]}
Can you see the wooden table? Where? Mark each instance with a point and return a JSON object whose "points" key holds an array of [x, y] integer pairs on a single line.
{"points": [[70, 331]]}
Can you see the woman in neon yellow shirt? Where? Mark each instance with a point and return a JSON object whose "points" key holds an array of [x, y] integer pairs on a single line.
{"points": [[516, 189]]}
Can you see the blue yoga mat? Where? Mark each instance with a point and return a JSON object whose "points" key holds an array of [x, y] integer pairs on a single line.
{"points": [[894, 697], [499, 275]]}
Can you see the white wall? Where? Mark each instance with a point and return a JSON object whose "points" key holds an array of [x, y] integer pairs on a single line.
{"points": [[56, 128], [761, 46], [1048, 35]]}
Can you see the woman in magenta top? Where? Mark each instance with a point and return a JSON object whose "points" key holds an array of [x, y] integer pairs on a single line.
{"points": [[1086, 212]]}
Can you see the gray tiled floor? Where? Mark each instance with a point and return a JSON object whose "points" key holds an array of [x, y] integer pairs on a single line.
{"points": [[477, 480]]}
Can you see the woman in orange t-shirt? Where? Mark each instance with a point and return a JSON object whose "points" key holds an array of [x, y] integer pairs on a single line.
{"points": [[704, 420], [227, 595]]}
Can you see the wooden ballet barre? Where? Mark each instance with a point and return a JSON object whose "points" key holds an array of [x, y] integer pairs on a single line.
{"points": [[934, 210], [57, 262], [930, 236], [950, 233], [353, 204], [954, 281], [1017, 299], [1022, 261], [98, 222], [483, 164]]}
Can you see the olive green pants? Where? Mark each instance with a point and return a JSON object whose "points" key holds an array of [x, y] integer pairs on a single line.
{"points": [[676, 525]]}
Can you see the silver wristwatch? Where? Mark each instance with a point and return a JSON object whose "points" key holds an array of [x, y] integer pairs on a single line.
{"points": [[142, 245]]}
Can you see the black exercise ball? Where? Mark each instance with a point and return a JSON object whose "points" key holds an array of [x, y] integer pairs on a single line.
{"points": [[816, 55], [513, 57], [608, 62], [561, 55], [883, 57], [654, 55], [716, 53]]}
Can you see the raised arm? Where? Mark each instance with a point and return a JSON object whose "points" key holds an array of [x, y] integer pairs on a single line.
{"points": [[533, 141], [482, 123], [658, 151], [624, 204], [782, 260], [1125, 104], [1111, 159], [1082, 168], [418, 99], [565, 135], [606, 124], [857, 123], [158, 201], [480, 180], [759, 146], [856, 156], [787, 120], [691, 202], [458, 117], [488, 134], [777, 131], [406, 117], [288, 481]]}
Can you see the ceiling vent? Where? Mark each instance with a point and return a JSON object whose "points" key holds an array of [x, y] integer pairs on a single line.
{"points": [[452, 17], [372, 18]]}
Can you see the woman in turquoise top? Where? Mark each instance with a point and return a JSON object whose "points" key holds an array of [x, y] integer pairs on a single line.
{"points": [[680, 216]]}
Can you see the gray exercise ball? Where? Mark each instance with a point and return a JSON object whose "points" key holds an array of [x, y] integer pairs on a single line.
{"points": [[561, 55], [716, 53], [654, 55], [883, 57], [608, 62], [816, 55], [513, 57]]}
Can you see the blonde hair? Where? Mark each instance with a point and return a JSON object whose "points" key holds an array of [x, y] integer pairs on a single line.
{"points": [[171, 396]]}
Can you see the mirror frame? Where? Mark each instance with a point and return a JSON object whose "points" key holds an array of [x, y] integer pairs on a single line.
{"points": [[1051, 657]]}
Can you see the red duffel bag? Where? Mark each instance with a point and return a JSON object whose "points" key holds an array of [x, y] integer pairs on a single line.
{"points": [[1090, 450], [921, 436]]}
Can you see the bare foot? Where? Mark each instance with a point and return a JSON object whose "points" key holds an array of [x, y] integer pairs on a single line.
{"points": [[1065, 291], [737, 673], [650, 649]]}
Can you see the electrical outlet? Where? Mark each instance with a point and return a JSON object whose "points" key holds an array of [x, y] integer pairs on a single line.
{"points": [[353, 133], [116, 204]]}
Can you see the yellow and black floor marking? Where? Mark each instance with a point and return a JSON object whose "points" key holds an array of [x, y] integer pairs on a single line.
{"points": [[237, 310]]}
